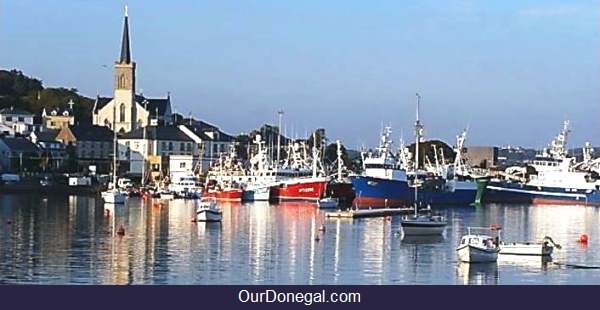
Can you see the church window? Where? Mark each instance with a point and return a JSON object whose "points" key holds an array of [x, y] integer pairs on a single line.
{"points": [[122, 81], [122, 113]]}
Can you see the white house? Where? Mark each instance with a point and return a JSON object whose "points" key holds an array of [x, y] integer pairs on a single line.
{"points": [[16, 121], [136, 147]]}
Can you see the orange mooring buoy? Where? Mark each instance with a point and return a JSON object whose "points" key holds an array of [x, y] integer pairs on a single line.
{"points": [[121, 231], [583, 239]]}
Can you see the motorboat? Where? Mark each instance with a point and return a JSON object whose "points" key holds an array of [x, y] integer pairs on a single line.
{"points": [[208, 210], [478, 248], [328, 203], [542, 248]]}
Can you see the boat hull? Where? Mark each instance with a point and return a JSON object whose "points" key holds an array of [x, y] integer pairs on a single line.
{"points": [[234, 195], [471, 254], [532, 249], [208, 216], [303, 190], [114, 198], [511, 192], [342, 190], [328, 203], [257, 194], [384, 193], [419, 228]]}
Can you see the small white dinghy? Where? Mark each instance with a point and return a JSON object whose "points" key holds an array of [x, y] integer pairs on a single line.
{"points": [[478, 248], [208, 210], [328, 203], [542, 248]]}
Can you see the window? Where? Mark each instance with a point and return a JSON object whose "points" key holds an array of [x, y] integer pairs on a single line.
{"points": [[170, 146], [189, 147], [9, 118], [52, 124], [181, 147], [163, 146], [216, 148], [21, 119], [155, 167], [122, 113], [122, 81], [182, 165]]}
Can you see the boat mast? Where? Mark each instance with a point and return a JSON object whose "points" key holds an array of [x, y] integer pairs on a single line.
{"points": [[114, 147], [339, 160], [145, 146], [280, 113], [314, 155], [418, 128]]}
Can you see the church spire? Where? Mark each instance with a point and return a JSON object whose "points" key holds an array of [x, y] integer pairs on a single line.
{"points": [[125, 50]]}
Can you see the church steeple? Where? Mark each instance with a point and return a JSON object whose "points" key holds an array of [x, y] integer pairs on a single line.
{"points": [[125, 49], [124, 98]]}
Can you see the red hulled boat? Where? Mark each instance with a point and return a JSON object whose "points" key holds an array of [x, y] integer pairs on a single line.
{"points": [[230, 194], [309, 189]]}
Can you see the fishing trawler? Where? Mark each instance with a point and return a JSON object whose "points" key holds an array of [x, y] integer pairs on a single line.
{"points": [[223, 181], [386, 177], [305, 178], [551, 178]]}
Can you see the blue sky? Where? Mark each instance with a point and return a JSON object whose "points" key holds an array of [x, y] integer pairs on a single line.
{"points": [[511, 70]]}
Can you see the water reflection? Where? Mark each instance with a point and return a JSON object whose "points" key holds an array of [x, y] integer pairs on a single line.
{"points": [[60, 240], [477, 273]]}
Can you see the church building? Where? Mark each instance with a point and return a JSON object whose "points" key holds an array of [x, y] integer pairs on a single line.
{"points": [[126, 110]]}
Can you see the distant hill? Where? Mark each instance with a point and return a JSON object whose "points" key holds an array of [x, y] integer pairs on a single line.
{"points": [[20, 91]]}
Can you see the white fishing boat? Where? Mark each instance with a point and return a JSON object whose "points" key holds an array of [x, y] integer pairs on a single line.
{"points": [[186, 186], [328, 203], [421, 224], [166, 195], [478, 248], [542, 248], [114, 195], [208, 210], [256, 192]]}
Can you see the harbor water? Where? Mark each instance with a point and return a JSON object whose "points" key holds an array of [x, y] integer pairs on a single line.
{"points": [[75, 240]]}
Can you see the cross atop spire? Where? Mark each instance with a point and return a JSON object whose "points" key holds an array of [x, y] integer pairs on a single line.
{"points": [[125, 50]]}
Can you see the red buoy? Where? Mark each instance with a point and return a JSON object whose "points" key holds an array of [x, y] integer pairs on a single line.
{"points": [[194, 220], [121, 231], [583, 238]]}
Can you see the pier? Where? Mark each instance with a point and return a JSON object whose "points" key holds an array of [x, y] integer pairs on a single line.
{"points": [[380, 212]]}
